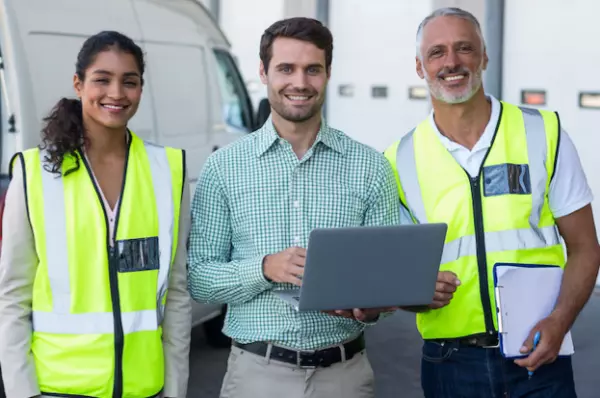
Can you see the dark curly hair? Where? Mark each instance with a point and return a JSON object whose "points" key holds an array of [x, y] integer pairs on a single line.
{"points": [[63, 133]]}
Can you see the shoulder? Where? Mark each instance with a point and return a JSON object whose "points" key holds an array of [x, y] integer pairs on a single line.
{"points": [[362, 156], [241, 146]]}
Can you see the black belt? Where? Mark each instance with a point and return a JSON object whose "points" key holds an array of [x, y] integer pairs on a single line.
{"points": [[478, 340], [306, 359]]}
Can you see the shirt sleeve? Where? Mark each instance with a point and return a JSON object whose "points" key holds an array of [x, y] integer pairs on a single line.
{"points": [[178, 312], [213, 276], [569, 189], [18, 264]]}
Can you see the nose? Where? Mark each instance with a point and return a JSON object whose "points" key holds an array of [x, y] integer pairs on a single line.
{"points": [[451, 60], [115, 90], [299, 80]]}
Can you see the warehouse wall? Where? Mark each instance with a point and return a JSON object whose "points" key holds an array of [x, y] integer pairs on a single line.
{"points": [[553, 48]]}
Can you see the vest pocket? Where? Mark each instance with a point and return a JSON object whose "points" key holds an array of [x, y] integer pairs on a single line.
{"points": [[506, 179], [133, 255]]}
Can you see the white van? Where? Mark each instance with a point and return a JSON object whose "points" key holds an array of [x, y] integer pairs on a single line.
{"points": [[194, 96]]}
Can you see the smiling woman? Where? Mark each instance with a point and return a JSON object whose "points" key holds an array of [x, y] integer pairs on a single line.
{"points": [[96, 254]]}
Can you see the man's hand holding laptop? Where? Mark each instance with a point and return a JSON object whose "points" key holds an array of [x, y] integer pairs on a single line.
{"points": [[287, 266]]}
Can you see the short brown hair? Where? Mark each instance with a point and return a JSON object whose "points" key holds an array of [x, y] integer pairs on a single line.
{"points": [[300, 28]]}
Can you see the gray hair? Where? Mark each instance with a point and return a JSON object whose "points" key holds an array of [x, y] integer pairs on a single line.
{"points": [[448, 12]]}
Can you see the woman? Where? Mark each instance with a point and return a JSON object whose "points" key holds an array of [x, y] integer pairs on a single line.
{"points": [[93, 298]]}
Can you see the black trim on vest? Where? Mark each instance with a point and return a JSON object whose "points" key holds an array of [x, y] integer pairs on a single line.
{"points": [[482, 266], [24, 173], [119, 339], [183, 160], [557, 146]]}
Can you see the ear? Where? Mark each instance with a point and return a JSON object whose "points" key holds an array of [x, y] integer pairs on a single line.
{"points": [[419, 67], [485, 59], [263, 73], [77, 85]]}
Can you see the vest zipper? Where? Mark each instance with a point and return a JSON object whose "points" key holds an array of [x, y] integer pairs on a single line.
{"points": [[481, 254], [113, 274]]}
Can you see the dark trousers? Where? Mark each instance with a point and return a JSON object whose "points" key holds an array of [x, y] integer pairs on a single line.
{"points": [[454, 371]]}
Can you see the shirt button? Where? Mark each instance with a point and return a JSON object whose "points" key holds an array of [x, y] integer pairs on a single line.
{"points": [[296, 239], [296, 203]]}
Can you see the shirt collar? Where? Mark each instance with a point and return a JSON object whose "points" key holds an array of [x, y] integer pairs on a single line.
{"points": [[267, 136]]}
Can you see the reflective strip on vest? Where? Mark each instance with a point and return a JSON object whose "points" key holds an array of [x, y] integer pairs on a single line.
{"points": [[499, 240], [60, 320]]}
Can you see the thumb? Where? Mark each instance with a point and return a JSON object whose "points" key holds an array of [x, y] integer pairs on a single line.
{"points": [[528, 343]]}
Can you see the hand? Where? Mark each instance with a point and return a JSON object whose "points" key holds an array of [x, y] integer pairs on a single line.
{"points": [[362, 315], [446, 285], [286, 266], [552, 333]]}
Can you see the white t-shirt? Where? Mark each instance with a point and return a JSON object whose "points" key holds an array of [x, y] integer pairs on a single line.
{"points": [[569, 190]]}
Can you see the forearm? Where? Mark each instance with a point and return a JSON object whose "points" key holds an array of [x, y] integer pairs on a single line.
{"points": [[578, 282], [234, 282]]}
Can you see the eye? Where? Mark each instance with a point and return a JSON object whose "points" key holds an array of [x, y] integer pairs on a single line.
{"points": [[101, 80], [465, 48], [130, 84], [435, 53], [313, 70], [286, 69]]}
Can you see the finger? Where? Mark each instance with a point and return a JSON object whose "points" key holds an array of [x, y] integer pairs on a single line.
{"points": [[445, 287], [300, 251], [298, 260], [438, 304], [448, 277], [295, 270], [442, 296], [535, 360], [344, 313], [528, 343]]}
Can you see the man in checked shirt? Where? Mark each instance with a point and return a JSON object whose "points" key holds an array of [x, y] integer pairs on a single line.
{"points": [[256, 202]]}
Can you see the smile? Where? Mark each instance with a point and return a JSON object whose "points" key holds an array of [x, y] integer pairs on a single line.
{"points": [[114, 107], [453, 78], [298, 97]]}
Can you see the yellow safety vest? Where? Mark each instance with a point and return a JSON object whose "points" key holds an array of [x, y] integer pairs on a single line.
{"points": [[502, 215], [97, 310]]}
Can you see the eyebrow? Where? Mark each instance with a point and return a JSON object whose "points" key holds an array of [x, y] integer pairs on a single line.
{"points": [[284, 64], [126, 74]]}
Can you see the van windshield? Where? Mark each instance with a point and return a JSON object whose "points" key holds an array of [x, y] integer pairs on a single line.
{"points": [[237, 106]]}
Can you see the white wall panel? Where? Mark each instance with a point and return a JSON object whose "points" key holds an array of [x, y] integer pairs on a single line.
{"points": [[553, 47]]}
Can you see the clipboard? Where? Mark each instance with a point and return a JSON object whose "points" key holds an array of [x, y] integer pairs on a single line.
{"points": [[525, 294]]}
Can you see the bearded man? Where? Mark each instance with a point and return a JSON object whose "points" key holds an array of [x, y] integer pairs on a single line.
{"points": [[508, 182]]}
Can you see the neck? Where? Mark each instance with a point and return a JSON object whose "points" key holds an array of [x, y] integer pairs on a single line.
{"points": [[463, 123], [102, 142], [301, 135]]}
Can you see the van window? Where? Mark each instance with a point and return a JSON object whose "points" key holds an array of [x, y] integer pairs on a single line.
{"points": [[236, 106]]}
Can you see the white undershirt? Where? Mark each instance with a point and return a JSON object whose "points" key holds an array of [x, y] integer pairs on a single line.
{"points": [[569, 190]]}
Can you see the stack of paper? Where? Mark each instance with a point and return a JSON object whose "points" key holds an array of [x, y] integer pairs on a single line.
{"points": [[525, 294]]}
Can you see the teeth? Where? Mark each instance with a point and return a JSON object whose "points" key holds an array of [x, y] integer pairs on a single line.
{"points": [[453, 78], [297, 98], [112, 107]]}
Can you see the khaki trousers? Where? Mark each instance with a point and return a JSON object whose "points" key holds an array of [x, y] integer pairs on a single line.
{"points": [[252, 376]]}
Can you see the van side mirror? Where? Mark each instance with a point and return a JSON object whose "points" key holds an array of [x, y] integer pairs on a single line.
{"points": [[263, 112]]}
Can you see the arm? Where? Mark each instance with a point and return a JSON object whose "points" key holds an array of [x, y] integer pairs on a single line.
{"points": [[569, 198], [581, 270], [18, 263], [178, 312], [213, 277]]}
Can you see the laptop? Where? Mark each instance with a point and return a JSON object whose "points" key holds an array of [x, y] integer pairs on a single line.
{"points": [[369, 267]]}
